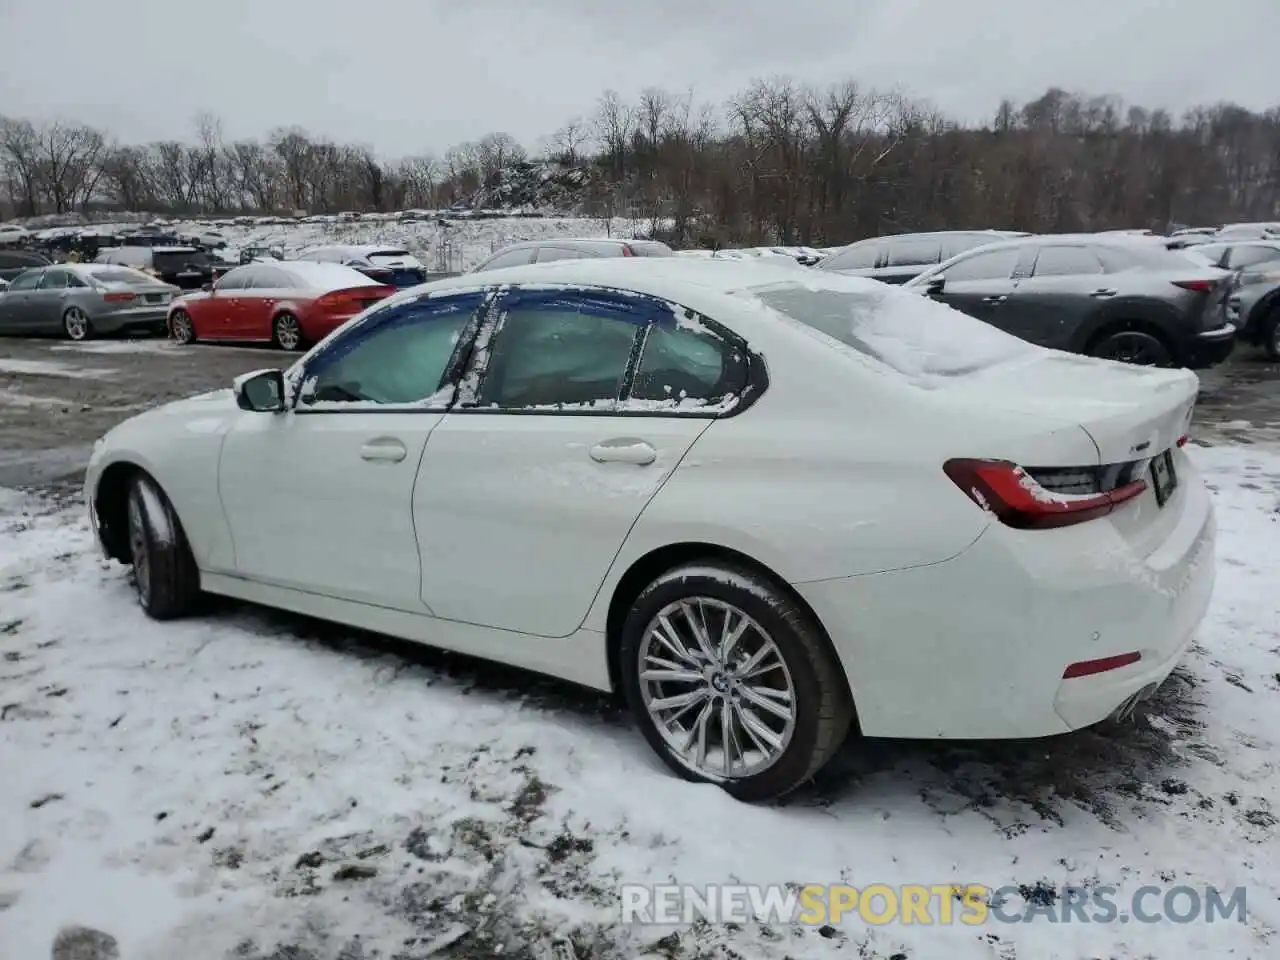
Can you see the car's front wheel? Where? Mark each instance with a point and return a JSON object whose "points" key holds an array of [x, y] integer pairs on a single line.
{"points": [[732, 682], [164, 570], [1271, 334]]}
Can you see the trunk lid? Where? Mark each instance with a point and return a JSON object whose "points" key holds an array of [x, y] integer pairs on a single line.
{"points": [[1131, 413]]}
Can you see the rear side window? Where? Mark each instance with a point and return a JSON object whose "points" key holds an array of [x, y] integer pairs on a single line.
{"points": [[1066, 262], [985, 265], [561, 350], [512, 258], [684, 362], [861, 256], [914, 252], [1139, 256]]}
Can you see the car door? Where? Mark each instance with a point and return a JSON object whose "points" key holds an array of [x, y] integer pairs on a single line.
{"points": [[532, 482], [17, 306], [265, 288], [1065, 286], [49, 300], [980, 283], [220, 312], [319, 498], [909, 256]]}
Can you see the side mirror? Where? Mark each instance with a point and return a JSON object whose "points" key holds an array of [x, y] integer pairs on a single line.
{"points": [[935, 285], [261, 391]]}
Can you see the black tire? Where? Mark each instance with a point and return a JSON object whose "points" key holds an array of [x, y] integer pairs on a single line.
{"points": [[164, 569], [823, 706], [1271, 333], [280, 335], [181, 329], [1133, 345]]}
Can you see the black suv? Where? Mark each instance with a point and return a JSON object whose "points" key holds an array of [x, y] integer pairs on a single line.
{"points": [[900, 258], [184, 267]]}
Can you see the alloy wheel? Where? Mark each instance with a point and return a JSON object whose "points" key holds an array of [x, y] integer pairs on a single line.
{"points": [[1133, 347], [76, 323], [287, 333], [717, 688], [180, 328], [140, 547]]}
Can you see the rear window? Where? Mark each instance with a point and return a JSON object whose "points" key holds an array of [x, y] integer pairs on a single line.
{"points": [[650, 248], [924, 341], [121, 275]]}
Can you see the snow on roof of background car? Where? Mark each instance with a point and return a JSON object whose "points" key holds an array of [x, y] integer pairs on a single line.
{"points": [[324, 276]]}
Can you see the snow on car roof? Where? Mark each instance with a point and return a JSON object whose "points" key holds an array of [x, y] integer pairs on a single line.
{"points": [[324, 276]]}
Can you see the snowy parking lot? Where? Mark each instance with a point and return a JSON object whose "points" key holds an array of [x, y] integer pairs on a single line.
{"points": [[253, 785]]}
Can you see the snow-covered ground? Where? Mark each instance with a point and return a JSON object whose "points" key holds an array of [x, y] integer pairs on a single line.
{"points": [[254, 783]]}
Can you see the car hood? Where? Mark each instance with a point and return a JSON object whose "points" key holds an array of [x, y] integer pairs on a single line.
{"points": [[212, 412]]}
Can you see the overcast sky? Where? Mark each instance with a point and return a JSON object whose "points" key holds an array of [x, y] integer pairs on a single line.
{"points": [[408, 76]]}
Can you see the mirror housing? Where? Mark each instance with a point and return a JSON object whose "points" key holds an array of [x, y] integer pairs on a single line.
{"points": [[935, 285], [262, 391]]}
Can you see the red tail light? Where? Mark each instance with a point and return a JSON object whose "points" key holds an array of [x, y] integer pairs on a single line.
{"points": [[1087, 668], [1182, 440], [122, 296], [1018, 501], [627, 251], [1199, 286], [354, 299]]}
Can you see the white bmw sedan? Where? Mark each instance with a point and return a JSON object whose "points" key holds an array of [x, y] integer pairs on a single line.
{"points": [[767, 504]]}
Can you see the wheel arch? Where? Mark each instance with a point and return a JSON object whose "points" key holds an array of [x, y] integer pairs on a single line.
{"points": [[111, 505], [1117, 322], [648, 567]]}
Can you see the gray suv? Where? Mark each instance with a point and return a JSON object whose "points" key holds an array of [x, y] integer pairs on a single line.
{"points": [[568, 248], [900, 258]]}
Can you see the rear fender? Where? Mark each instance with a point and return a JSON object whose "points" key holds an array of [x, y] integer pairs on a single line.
{"points": [[1136, 310]]}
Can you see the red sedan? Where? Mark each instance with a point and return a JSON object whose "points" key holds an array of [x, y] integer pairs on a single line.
{"points": [[288, 303]]}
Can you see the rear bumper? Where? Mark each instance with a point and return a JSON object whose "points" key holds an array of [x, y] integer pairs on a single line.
{"points": [[1210, 348], [150, 320], [976, 647]]}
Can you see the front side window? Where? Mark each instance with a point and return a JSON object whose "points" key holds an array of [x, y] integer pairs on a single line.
{"points": [[234, 279], [25, 281], [270, 278], [860, 256], [991, 265], [547, 254], [561, 350], [54, 280], [400, 358], [1248, 256], [685, 364]]}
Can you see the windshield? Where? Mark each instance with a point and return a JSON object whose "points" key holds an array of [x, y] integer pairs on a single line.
{"points": [[920, 339]]}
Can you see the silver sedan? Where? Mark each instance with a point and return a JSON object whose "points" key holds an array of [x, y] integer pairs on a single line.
{"points": [[79, 301]]}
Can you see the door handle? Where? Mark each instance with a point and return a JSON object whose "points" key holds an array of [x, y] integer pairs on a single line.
{"points": [[1103, 292], [624, 450], [994, 299], [385, 449]]}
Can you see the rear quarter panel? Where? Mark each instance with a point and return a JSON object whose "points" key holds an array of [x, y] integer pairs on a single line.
{"points": [[1154, 301]]}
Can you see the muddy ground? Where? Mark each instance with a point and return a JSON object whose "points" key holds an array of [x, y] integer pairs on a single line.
{"points": [[57, 398]]}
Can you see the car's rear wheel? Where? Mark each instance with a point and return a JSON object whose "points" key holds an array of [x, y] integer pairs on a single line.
{"points": [[1138, 347], [164, 570], [286, 332], [76, 324], [731, 681], [181, 329]]}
